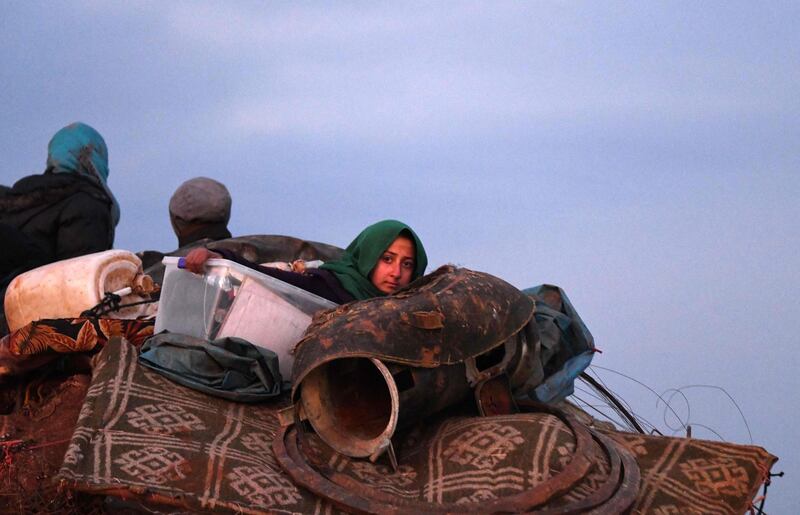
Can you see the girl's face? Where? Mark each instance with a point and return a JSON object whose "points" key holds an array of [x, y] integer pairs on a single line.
{"points": [[395, 267]]}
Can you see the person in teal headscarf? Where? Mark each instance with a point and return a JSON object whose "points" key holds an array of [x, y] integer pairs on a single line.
{"points": [[81, 150], [383, 258], [65, 212]]}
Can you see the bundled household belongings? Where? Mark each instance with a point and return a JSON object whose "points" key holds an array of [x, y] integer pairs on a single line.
{"points": [[170, 447], [233, 300], [67, 288], [415, 360]]}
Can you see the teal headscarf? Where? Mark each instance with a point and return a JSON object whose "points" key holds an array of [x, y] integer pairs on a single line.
{"points": [[362, 255], [79, 149]]}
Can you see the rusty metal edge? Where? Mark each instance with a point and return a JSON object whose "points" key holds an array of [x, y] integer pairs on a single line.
{"points": [[629, 484], [306, 477], [343, 310], [602, 494], [343, 487]]}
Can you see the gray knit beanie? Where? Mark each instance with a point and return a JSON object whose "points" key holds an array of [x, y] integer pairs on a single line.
{"points": [[201, 200]]}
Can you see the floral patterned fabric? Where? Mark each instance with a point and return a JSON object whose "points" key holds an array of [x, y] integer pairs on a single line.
{"points": [[40, 342], [76, 335]]}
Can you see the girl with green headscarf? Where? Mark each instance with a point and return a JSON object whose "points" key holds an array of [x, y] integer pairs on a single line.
{"points": [[383, 258], [364, 258]]}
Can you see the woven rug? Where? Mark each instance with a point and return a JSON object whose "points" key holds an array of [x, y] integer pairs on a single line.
{"points": [[690, 476], [140, 436]]}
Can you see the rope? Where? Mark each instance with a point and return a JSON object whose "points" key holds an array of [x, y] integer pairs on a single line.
{"points": [[47, 444], [761, 499], [24, 497], [766, 485], [11, 447], [111, 302], [7, 456], [620, 408]]}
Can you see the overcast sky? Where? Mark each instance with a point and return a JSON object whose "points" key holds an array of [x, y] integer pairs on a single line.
{"points": [[644, 156]]}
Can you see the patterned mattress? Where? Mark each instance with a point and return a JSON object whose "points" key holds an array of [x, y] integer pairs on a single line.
{"points": [[139, 436]]}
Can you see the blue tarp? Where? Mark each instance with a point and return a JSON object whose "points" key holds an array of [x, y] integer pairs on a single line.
{"points": [[567, 346]]}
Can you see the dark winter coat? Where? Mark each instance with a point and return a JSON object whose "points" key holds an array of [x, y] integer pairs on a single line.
{"points": [[63, 215]]}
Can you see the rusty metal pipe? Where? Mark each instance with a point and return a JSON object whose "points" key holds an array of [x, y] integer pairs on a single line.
{"points": [[353, 404], [356, 404]]}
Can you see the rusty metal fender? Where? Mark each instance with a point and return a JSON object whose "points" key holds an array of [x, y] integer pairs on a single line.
{"points": [[443, 318]]}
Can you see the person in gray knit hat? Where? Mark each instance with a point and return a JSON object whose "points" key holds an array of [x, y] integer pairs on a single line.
{"points": [[200, 208]]}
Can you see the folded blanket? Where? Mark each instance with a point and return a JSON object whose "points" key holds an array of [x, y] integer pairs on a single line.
{"points": [[231, 368]]}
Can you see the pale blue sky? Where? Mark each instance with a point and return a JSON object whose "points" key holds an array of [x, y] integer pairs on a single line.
{"points": [[642, 155]]}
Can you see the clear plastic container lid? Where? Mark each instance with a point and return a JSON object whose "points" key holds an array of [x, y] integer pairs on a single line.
{"points": [[230, 299]]}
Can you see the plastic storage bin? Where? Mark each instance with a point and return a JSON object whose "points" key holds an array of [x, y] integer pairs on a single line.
{"points": [[233, 300]]}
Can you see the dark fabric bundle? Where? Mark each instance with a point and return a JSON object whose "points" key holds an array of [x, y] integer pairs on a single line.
{"points": [[231, 368], [567, 344]]}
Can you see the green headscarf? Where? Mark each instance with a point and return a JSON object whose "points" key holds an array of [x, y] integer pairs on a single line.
{"points": [[362, 255]]}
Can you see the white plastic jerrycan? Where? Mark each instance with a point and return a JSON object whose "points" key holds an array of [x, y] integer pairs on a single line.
{"points": [[65, 289]]}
